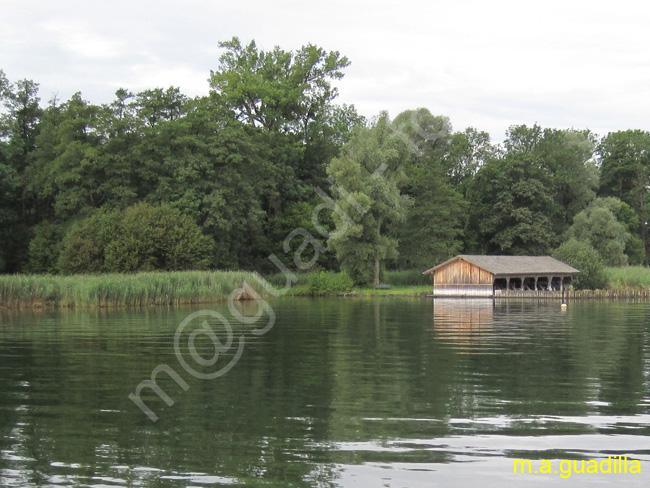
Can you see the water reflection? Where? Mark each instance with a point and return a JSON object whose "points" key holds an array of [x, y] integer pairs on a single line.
{"points": [[463, 322], [392, 392]]}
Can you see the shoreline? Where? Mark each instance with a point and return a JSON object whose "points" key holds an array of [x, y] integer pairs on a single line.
{"points": [[153, 289], [613, 295]]}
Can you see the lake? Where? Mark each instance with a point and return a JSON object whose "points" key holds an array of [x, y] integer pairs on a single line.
{"points": [[338, 393]]}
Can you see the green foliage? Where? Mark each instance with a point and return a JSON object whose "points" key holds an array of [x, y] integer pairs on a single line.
{"points": [[467, 152], [44, 248], [243, 162], [298, 216], [83, 249], [511, 207], [277, 90], [582, 256], [625, 172], [9, 216], [239, 178], [366, 186], [626, 215], [523, 201], [434, 225], [329, 283], [141, 238], [598, 226], [157, 238]]}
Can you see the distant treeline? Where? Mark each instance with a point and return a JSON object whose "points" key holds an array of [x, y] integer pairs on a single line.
{"points": [[157, 180]]}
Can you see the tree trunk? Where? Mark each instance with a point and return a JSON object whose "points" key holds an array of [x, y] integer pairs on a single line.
{"points": [[377, 269]]}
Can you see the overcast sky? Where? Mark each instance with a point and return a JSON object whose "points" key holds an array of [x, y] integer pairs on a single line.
{"points": [[486, 64]]}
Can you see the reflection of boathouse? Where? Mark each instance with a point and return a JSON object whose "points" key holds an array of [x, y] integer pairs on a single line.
{"points": [[505, 276]]}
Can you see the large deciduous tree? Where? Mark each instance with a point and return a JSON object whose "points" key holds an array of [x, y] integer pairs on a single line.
{"points": [[367, 178], [434, 224], [625, 173], [598, 226], [279, 90]]}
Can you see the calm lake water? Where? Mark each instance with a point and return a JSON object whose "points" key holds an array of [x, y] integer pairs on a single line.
{"points": [[340, 392]]}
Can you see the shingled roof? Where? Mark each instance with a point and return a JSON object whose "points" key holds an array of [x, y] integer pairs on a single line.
{"points": [[514, 265]]}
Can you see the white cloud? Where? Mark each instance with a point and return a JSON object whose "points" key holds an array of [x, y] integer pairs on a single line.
{"points": [[82, 39]]}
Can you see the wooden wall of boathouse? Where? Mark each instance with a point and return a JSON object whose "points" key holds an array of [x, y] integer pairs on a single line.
{"points": [[462, 278]]}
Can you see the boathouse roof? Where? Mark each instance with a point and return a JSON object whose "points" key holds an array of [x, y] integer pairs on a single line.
{"points": [[513, 265]]}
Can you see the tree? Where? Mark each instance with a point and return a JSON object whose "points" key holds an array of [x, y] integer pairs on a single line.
{"points": [[628, 217], [525, 198], [69, 171], [83, 249], [511, 207], [582, 256], [467, 152], [597, 225], [21, 122], [19, 128], [366, 185], [434, 223], [9, 216], [286, 96], [157, 105], [625, 173], [44, 248], [278, 90]]}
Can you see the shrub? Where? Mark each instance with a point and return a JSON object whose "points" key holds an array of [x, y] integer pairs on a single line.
{"points": [[83, 247], [587, 260], [329, 282], [140, 238], [158, 238]]}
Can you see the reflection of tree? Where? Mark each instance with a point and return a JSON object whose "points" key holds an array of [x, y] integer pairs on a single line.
{"points": [[381, 359], [329, 371], [261, 420], [609, 341]]}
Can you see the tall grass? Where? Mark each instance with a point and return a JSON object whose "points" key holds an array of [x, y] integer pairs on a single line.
{"points": [[628, 278], [121, 290]]}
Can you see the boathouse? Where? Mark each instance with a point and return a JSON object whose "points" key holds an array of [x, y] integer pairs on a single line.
{"points": [[493, 276]]}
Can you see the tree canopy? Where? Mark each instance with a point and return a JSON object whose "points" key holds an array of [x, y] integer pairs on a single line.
{"points": [[86, 187]]}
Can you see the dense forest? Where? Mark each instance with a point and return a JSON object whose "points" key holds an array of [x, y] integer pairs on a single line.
{"points": [[157, 180]]}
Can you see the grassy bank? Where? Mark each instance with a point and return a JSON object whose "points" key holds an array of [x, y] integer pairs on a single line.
{"points": [[120, 290], [367, 291], [403, 283], [396, 291]]}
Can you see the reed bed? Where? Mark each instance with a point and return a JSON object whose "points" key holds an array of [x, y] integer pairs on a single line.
{"points": [[121, 290], [629, 278]]}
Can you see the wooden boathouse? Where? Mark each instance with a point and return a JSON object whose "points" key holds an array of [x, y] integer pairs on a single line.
{"points": [[500, 276]]}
